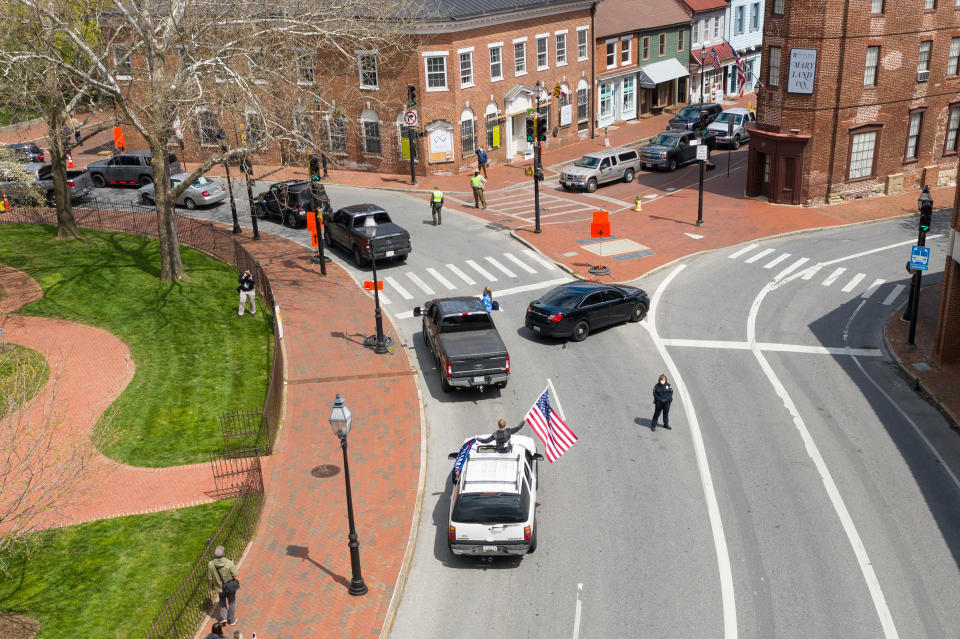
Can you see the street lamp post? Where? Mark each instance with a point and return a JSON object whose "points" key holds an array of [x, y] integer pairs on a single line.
{"points": [[379, 342], [221, 137], [703, 54], [536, 160], [925, 206], [340, 421]]}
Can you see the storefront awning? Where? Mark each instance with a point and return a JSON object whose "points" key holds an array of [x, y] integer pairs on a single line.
{"points": [[663, 71]]}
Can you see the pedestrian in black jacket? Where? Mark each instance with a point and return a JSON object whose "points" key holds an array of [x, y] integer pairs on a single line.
{"points": [[662, 396], [248, 291], [501, 436]]}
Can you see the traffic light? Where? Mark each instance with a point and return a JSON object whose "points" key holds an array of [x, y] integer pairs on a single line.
{"points": [[926, 209], [314, 167], [702, 124], [925, 221], [531, 125], [411, 96], [542, 129]]}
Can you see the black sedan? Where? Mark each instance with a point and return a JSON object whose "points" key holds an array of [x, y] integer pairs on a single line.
{"points": [[573, 310]]}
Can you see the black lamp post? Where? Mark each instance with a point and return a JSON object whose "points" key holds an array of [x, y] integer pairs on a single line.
{"points": [[221, 138], [703, 54], [925, 206], [538, 88], [340, 420], [379, 342]]}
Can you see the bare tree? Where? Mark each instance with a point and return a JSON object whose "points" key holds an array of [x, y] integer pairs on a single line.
{"points": [[165, 63], [16, 183]]}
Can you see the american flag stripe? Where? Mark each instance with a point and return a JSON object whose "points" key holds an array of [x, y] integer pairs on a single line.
{"points": [[550, 428]]}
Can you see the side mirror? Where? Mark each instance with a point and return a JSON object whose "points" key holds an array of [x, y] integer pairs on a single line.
{"points": [[495, 306], [416, 311], [452, 455], [538, 456]]}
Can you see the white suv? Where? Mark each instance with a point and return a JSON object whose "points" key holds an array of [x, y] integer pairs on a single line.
{"points": [[494, 501]]}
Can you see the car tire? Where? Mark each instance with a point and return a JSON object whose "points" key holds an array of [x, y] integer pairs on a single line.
{"points": [[290, 220], [190, 204], [643, 167], [357, 258], [566, 187], [628, 175], [146, 199], [261, 211], [533, 539], [145, 180], [591, 185], [445, 386], [402, 258], [328, 239], [580, 331], [502, 385], [638, 313], [672, 165], [98, 180], [736, 142]]}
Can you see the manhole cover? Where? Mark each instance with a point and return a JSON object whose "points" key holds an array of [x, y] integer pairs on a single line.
{"points": [[325, 470]]}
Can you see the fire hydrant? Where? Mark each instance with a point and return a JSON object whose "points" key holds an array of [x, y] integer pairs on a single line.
{"points": [[638, 205]]}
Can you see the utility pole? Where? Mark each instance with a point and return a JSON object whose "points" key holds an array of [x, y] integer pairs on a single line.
{"points": [[537, 171], [411, 134], [925, 203]]}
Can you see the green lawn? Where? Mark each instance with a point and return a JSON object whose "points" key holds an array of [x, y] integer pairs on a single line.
{"points": [[107, 578], [22, 373], [194, 359]]}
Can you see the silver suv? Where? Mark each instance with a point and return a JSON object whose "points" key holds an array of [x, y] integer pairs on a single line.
{"points": [[600, 167], [731, 127]]}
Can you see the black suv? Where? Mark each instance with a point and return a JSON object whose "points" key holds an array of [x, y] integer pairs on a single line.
{"points": [[290, 200], [26, 152], [690, 115]]}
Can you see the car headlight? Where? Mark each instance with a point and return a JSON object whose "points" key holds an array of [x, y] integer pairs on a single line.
{"points": [[663, 155]]}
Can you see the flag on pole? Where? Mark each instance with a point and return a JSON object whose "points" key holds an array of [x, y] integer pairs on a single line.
{"points": [[715, 59], [741, 72], [557, 438]]}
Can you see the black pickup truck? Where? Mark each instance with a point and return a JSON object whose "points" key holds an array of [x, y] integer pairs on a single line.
{"points": [[670, 149], [345, 228], [464, 340]]}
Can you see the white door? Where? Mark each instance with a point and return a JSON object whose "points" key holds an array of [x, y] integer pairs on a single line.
{"points": [[628, 110], [508, 132]]}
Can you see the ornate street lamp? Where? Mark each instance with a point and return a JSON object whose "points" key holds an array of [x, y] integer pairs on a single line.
{"points": [[379, 342], [340, 421], [703, 54], [221, 138]]}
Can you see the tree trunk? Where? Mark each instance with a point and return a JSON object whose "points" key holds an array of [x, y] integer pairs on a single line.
{"points": [[66, 224], [171, 266]]}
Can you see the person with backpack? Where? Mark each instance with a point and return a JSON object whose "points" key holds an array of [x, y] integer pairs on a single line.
{"points": [[222, 577]]}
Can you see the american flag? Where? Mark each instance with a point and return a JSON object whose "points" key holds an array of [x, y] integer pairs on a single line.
{"points": [[715, 59], [741, 72], [552, 431]]}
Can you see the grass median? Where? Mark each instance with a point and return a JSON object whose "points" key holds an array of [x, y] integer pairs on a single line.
{"points": [[23, 372], [195, 360]]}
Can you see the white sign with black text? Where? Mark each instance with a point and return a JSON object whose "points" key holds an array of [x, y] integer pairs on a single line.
{"points": [[803, 71]]}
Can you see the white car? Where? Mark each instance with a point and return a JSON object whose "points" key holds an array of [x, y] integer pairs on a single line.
{"points": [[731, 127], [202, 192], [494, 500]]}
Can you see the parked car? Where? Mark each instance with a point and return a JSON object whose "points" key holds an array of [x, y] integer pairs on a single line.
{"points": [[78, 181], [493, 505], [689, 115], [26, 152], [202, 192], [576, 308], [290, 200], [345, 229], [464, 340], [600, 167], [128, 169], [740, 134], [671, 149]]}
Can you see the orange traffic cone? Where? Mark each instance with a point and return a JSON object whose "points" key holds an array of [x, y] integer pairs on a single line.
{"points": [[4, 204], [70, 164]]}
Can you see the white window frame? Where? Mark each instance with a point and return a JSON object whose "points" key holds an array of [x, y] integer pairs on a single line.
{"points": [[472, 119], [857, 163], [376, 72], [870, 70], [585, 45], [773, 79], [518, 71], [122, 62], [207, 135], [304, 55], [498, 46], [560, 47], [379, 138], [626, 49], [739, 21], [545, 39], [953, 126], [340, 123], [468, 51], [778, 7], [610, 53], [953, 57], [929, 5], [583, 99], [754, 17], [873, 6], [914, 124], [433, 55], [923, 55], [695, 33], [717, 27]]}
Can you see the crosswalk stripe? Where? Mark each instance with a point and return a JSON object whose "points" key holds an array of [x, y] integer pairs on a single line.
{"points": [[536, 257], [423, 285], [776, 260], [500, 266], [893, 294], [395, 285], [810, 272], [513, 258], [384, 299], [441, 278], [852, 284], [867, 294], [759, 256], [463, 276], [482, 271], [790, 269], [745, 249], [833, 276]]}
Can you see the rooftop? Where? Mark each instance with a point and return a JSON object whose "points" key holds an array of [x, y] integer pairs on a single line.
{"points": [[705, 5], [626, 16]]}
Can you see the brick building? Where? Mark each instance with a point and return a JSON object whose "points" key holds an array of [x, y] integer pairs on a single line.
{"points": [[858, 98], [946, 344]]}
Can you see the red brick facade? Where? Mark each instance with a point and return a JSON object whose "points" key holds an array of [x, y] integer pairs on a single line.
{"points": [[878, 120], [946, 345]]}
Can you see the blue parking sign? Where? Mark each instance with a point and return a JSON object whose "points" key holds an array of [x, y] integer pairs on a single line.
{"points": [[919, 258]]}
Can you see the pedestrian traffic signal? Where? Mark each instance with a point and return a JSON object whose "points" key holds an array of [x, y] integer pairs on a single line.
{"points": [[702, 124], [314, 162], [926, 209], [531, 128], [925, 221], [542, 129], [411, 96]]}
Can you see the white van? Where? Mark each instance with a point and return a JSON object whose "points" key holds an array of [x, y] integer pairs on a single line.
{"points": [[494, 501]]}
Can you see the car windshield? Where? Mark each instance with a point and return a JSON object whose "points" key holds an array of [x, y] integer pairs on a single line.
{"points": [[469, 322], [664, 139], [202, 181], [690, 113], [482, 508], [725, 117], [587, 161], [562, 298]]}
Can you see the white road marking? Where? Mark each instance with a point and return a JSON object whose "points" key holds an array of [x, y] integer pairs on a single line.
{"points": [[810, 272], [876, 250], [420, 283], [395, 285], [776, 260], [893, 294], [790, 269], [536, 257], [482, 271], [852, 284], [513, 258], [833, 277], [506, 292], [463, 276], [776, 348], [384, 299], [694, 236], [706, 481], [867, 294], [501, 267], [745, 249], [758, 256], [576, 614], [441, 278]]}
